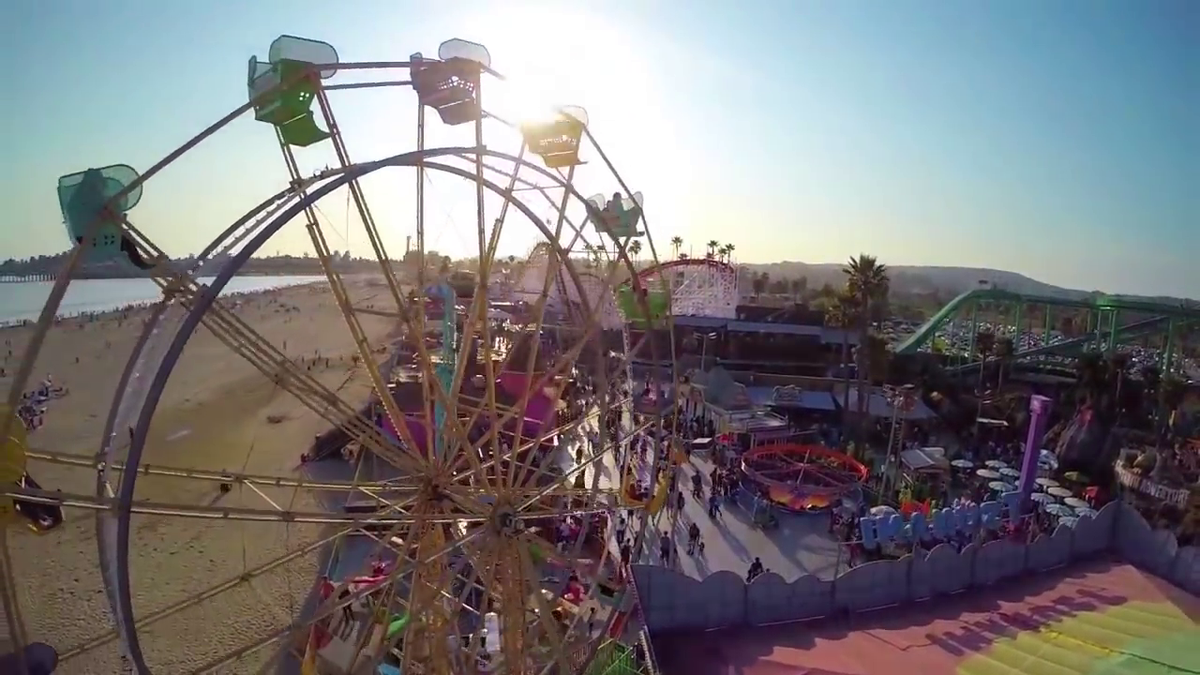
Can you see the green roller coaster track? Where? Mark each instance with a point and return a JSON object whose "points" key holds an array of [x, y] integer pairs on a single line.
{"points": [[1163, 315]]}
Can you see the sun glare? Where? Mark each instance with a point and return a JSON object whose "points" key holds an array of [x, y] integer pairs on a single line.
{"points": [[553, 58]]}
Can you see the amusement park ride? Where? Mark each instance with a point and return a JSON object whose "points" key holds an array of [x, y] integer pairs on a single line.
{"points": [[1109, 322], [481, 496]]}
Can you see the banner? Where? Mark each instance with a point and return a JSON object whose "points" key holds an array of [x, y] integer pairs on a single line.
{"points": [[1139, 483]]}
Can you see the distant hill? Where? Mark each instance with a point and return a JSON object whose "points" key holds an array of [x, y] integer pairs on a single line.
{"points": [[942, 281]]}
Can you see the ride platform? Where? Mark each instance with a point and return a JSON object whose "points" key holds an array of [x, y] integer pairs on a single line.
{"points": [[800, 545]]}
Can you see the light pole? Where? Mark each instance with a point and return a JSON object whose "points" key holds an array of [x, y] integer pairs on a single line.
{"points": [[704, 350], [902, 400]]}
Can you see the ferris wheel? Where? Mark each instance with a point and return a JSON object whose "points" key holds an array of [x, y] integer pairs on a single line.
{"points": [[684, 287], [454, 513]]}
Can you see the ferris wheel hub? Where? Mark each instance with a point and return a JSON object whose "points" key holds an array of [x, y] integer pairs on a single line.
{"points": [[505, 522], [433, 491]]}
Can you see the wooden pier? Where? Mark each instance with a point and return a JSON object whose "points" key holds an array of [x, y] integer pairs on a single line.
{"points": [[24, 278]]}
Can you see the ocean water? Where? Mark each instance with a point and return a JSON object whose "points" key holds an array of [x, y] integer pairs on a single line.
{"points": [[24, 301]]}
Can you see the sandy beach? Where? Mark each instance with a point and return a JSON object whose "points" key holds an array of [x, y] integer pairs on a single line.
{"points": [[213, 415]]}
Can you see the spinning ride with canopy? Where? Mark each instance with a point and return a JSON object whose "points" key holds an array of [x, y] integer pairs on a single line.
{"points": [[802, 477], [463, 575]]}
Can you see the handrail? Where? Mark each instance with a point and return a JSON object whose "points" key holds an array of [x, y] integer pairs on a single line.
{"points": [[651, 665]]}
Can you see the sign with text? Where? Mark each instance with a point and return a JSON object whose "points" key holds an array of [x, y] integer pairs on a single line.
{"points": [[940, 523], [1139, 483]]}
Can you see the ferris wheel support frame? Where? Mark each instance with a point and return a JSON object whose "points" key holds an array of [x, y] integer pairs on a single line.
{"points": [[208, 296], [205, 296], [131, 362]]}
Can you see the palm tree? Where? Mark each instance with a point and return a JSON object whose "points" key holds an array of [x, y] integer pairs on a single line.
{"points": [[985, 346], [1092, 379], [798, 286], [1174, 391], [866, 280], [635, 248], [758, 283], [1151, 382], [712, 246], [729, 249], [1004, 351], [840, 313], [676, 244], [878, 357], [1118, 364]]}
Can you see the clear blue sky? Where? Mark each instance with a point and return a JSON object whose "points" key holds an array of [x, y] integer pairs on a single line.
{"points": [[1057, 139]]}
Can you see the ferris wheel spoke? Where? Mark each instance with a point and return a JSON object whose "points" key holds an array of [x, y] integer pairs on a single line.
{"points": [[487, 252], [231, 513], [429, 614], [275, 364], [207, 594], [195, 599], [513, 459], [475, 568], [240, 338], [261, 480], [560, 367], [314, 395], [551, 276], [560, 481], [365, 352], [519, 410], [405, 551], [405, 567], [549, 624], [566, 362], [405, 313], [509, 599], [12, 605]]}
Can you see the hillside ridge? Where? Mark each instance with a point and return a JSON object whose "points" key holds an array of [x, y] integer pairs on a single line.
{"points": [[941, 279]]}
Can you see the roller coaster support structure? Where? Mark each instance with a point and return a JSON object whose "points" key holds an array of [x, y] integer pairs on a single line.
{"points": [[1103, 327]]}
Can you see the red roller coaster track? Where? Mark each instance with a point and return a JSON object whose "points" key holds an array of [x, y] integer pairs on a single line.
{"points": [[662, 267]]}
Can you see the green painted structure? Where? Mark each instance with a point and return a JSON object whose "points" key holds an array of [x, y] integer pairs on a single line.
{"points": [[82, 196], [1104, 323], [658, 302], [613, 659], [283, 88]]}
